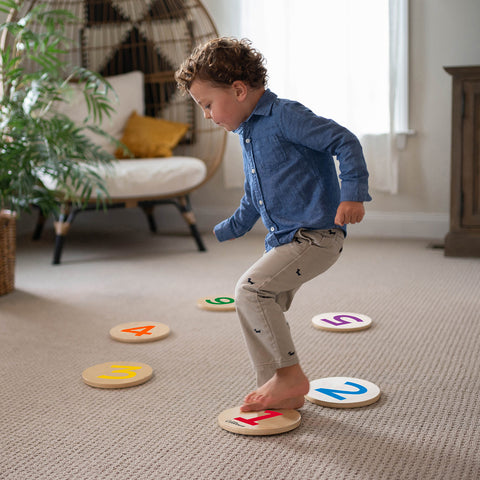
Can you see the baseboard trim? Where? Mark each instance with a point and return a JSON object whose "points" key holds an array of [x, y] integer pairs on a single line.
{"points": [[402, 225], [375, 224], [432, 226]]}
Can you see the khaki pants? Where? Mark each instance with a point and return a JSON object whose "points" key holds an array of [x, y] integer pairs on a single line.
{"points": [[266, 290]]}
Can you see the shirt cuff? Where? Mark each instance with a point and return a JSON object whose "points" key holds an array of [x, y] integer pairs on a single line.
{"points": [[223, 231], [354, 192]]}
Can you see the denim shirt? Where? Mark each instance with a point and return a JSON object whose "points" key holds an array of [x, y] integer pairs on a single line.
{"points": [[290, 176]]}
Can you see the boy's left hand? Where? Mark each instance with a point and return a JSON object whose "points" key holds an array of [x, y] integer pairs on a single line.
{"points": [[349, 212]]}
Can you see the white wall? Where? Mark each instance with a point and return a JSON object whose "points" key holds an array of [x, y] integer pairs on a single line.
{"points": [[442, 32]]}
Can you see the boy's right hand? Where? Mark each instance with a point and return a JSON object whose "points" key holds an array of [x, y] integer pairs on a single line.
{"points": [[349, 212]]}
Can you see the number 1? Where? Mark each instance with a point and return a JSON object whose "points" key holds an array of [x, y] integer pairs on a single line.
{"points": [[254, 421]]}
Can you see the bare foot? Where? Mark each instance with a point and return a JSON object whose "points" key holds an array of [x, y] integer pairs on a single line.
{"points": [[286, 389]]}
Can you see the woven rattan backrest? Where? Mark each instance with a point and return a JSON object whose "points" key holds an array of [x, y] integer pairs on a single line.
{"points": [[117, 36]]}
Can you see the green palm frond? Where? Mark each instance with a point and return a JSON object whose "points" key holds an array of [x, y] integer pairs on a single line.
{"points": [[46, 158]]}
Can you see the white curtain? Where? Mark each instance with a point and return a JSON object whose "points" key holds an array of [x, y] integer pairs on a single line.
{"points": [[344, 59]]}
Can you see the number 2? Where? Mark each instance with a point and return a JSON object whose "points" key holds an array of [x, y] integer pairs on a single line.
{"points": [[334, 393]]}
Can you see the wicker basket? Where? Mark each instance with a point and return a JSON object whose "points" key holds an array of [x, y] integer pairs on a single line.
{"points": [[7, 251]]}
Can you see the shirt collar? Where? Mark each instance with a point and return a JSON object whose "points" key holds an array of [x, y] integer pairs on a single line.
{"points": [[265, 104], [263, 107]]}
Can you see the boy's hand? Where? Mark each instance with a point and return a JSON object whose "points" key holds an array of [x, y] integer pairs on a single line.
{"points": [[349, 212]]}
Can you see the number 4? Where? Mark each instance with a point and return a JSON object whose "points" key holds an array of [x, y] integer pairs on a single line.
{"points": [[139, 331]]}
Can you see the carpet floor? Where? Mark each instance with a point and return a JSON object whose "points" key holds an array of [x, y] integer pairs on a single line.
{"points": [[422, 351]]}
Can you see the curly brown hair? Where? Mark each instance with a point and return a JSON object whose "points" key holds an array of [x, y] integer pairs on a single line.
{"points": [[223, 61]]}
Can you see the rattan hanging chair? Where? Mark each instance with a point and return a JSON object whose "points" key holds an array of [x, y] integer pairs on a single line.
{"points": [[114, 37]]}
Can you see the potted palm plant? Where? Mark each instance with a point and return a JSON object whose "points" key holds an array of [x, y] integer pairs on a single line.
{"points": [[37, 141]]}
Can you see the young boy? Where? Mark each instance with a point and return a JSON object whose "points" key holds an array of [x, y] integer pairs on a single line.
{"points": [[292, 184]]}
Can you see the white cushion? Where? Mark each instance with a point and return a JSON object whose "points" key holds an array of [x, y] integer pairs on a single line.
{"points": [[151, 177], [148, 177], [129, 88], [136, 178]]}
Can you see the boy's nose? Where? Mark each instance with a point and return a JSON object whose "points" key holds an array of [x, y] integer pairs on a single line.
{"points": [[206, 115]]}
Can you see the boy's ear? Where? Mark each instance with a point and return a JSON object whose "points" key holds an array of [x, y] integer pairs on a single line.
{"points": [[240, 88]]}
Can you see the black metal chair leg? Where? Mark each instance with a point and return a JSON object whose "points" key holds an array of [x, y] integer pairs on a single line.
{"points": [[148, 210], [185, 208], [57, 253], [37, 233], [198, 239], [62, 225]]}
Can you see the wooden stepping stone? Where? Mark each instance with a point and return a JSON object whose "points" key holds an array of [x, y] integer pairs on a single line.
{"points": [[342, 392], [341, 322], [117, 374], [264, 422], [219, 304], [139, 332]]}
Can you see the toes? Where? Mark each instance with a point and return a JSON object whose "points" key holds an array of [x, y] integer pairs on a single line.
{"points": [[250, 398], [251, 407]]}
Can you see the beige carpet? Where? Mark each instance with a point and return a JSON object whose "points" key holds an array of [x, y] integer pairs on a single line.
{"points": [[423, 352]]}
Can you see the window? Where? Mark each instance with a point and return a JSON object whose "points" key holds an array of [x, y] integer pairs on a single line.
{"points": [[344, 59]]}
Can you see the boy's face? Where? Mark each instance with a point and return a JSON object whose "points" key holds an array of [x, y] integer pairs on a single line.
{"points": [[223, 105]]}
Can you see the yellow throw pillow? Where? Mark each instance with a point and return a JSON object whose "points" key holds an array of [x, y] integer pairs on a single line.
{"points": [[149, 137]]}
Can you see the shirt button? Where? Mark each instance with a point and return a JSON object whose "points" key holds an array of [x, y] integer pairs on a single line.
{"points": [[272, 229], [253, 170], [247, 140], [260, 202]]}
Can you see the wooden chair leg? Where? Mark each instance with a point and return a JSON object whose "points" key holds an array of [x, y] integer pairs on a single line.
{"points": [[185, 208]]}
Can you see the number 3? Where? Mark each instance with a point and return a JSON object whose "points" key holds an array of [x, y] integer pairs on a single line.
{"points": [[126, 369]]}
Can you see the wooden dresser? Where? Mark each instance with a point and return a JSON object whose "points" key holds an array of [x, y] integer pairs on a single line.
{"points": [[463, 239]]}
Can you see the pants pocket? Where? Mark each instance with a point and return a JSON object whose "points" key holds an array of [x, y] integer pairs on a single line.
{"points": [[321, 238]]}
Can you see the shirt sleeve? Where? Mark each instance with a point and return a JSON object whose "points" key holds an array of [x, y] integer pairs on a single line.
{"points": [[241, 222], [300, 125]]}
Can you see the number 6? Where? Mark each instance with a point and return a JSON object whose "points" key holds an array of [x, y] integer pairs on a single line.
{"points": [[220, 301]]}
